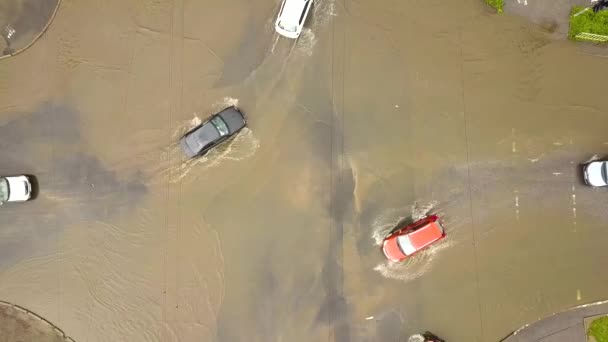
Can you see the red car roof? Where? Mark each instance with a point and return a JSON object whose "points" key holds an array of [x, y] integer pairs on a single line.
{"points": [[426, 235], [412, 238]]}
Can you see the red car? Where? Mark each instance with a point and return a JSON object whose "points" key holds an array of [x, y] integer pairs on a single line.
{"points": [[408, 240]]}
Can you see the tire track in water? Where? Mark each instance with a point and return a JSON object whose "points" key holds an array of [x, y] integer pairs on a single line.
{"points": [[170, 303], [335, 307]]}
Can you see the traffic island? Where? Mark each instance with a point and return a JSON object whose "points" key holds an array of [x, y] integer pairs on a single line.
{"points": [[587, 25], [597, 328], [498, 5], [22, 22], [576, 324]]}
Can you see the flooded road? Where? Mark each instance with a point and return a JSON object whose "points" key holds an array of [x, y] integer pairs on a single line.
{"points": [[381, 111]]}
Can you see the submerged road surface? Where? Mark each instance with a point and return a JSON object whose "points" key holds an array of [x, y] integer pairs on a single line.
{"points": [[381, 111]]}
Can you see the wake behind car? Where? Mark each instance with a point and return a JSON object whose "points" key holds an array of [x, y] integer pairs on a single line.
{"points": [[15, 189], [406, 241], [212, 132], [595, 173], [292, 16]]}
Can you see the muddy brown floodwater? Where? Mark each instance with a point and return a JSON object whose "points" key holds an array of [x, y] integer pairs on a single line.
{"points": [[381, 111]]}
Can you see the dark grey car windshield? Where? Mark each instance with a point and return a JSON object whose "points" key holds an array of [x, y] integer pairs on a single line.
{"points": [[3, 189], [220, 125], [605, 172]]}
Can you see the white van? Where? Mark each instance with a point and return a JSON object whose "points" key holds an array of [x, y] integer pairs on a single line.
{"points": [[15, 189], [292, 17], [596, 173]]}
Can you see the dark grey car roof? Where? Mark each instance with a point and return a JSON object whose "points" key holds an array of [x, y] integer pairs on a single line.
{"points": [[233, 118], [201, 137]]}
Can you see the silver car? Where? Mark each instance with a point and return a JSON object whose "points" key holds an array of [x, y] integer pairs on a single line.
{"points": [[15, 189]]}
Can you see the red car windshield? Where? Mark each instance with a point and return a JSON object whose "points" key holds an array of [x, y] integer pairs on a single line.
{"points": [[406, 245]]}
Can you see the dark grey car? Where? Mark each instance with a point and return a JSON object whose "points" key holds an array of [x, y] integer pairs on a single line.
{"points": [[210, 133]]}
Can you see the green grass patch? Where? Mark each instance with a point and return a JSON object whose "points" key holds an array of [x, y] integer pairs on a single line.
{"points": [[497, 4], [587, 21], [599, 329]]}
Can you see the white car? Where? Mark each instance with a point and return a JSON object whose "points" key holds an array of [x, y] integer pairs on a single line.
{"points": [[15, 189], [292, 17], [596, 173]]}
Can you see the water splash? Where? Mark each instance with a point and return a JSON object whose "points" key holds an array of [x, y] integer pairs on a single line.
{"points": [[416, 338], [323, 11], [306, 42], [241, 147], [225, 103], [421, 211], [186, 126], [383, 225], [592, 159]]}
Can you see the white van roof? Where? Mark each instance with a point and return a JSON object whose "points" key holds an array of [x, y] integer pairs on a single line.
{"points": [[292, 11]]}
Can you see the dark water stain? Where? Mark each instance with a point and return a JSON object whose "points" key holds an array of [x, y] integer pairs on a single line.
{"points": [[25, 131], [327, 145], [343, 194], [83, 176], [73, 185], [276, 300], [334, 308], [266, 301]]}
